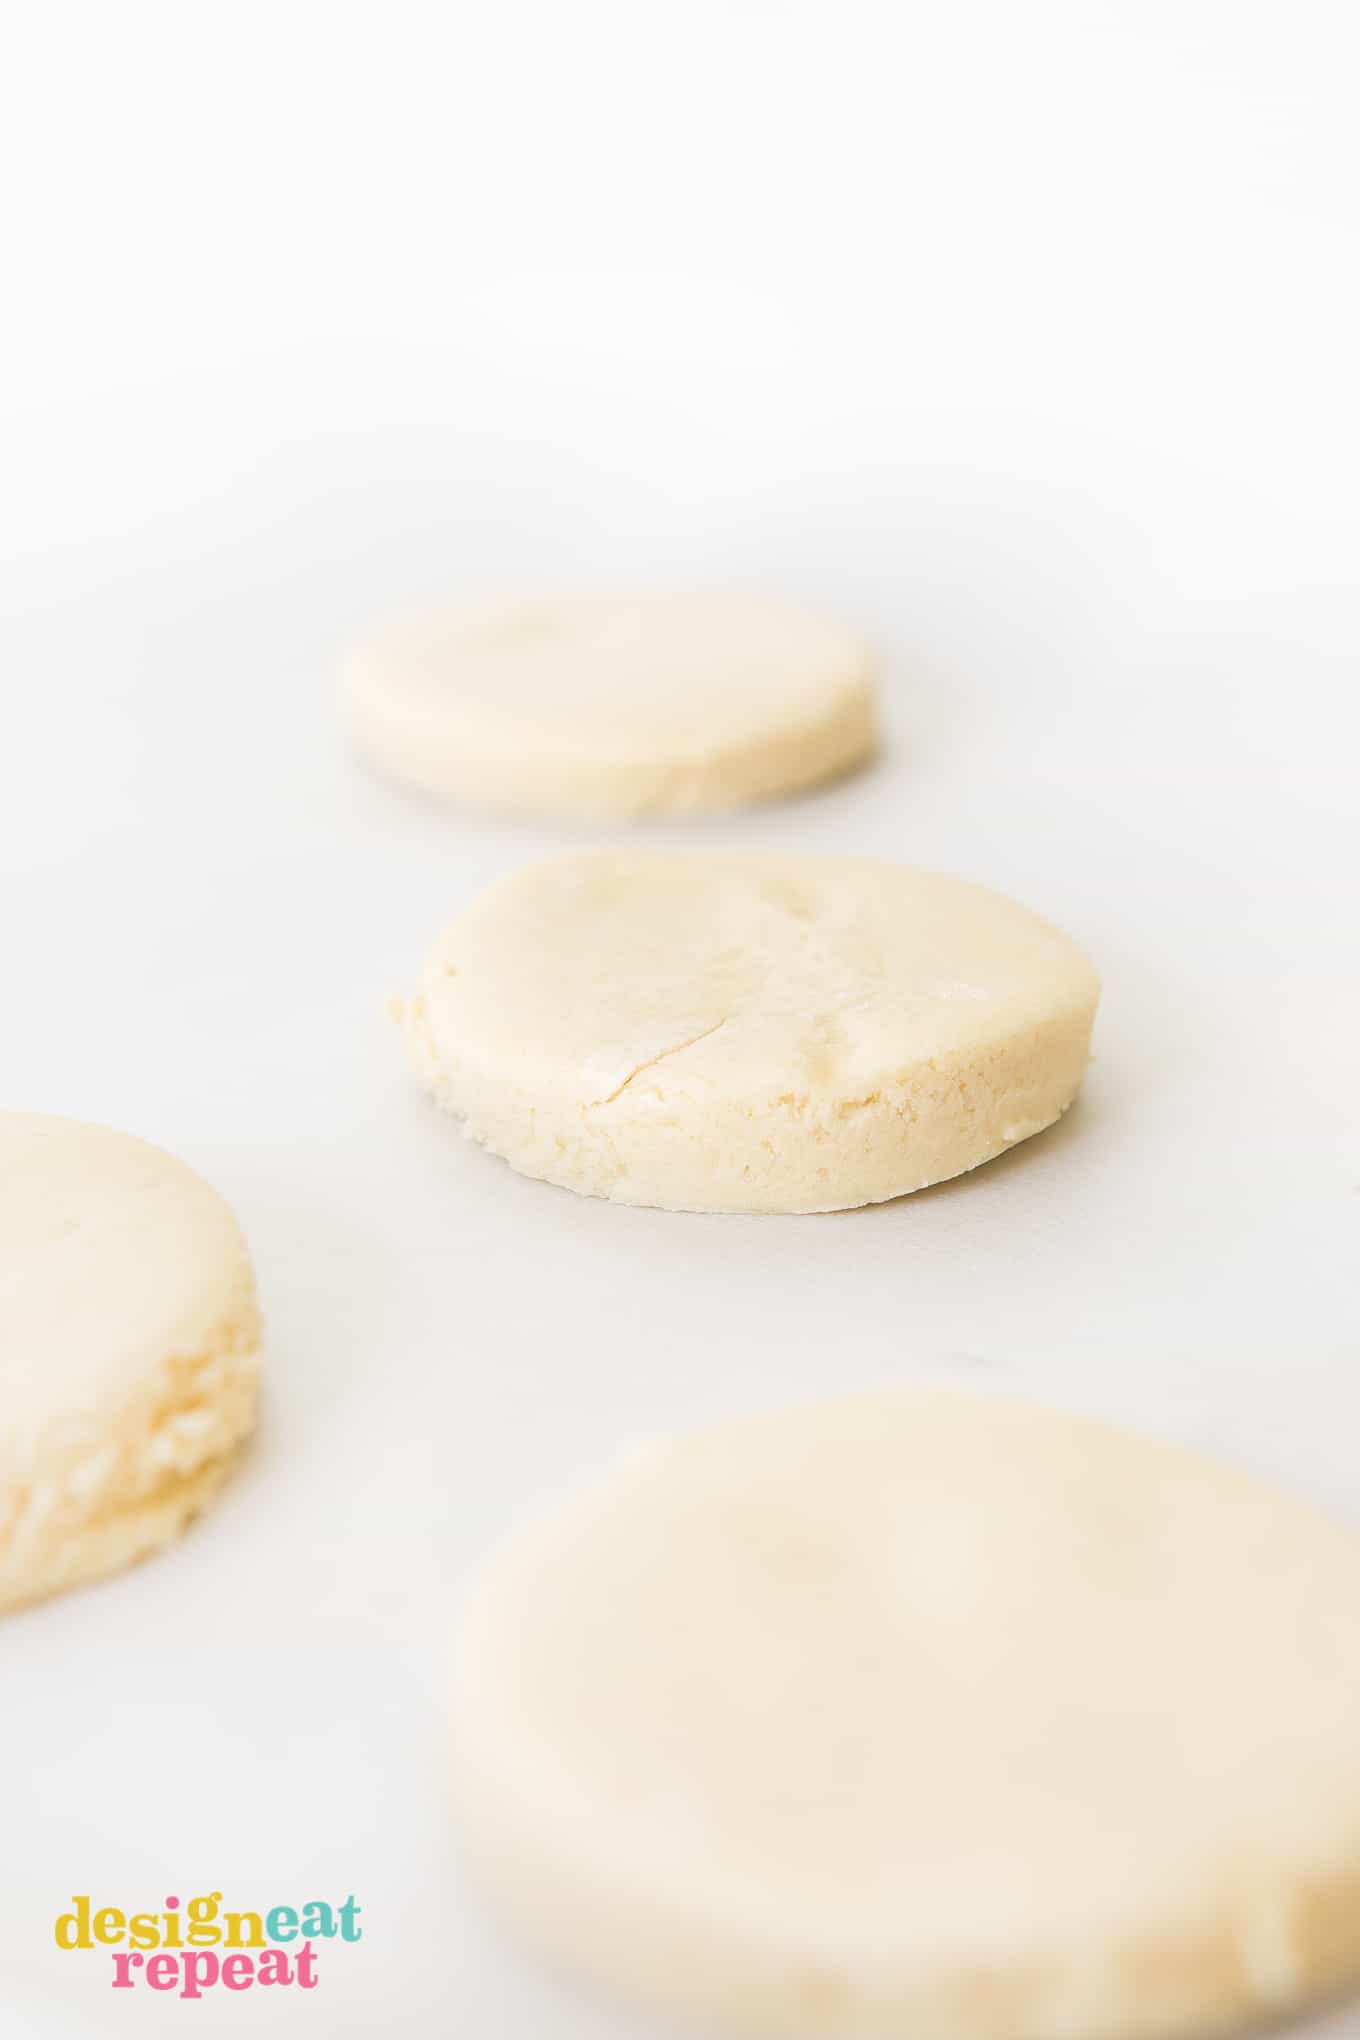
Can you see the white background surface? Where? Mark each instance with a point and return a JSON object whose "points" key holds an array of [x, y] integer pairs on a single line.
{"points": [[1023, 337]]}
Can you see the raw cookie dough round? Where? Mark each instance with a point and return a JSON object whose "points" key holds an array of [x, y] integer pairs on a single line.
{"points": [[129, 1351], [749, 1033], [922, 1714], [594, 706]]}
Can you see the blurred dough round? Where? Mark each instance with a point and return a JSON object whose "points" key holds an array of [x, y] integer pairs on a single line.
{"points": [[920, 1714], [593, 706], [129, 1351], [749, 1033]]}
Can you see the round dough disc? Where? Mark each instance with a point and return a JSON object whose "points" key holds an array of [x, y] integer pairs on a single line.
{"points": [[595, 706], [922, 1714], [129, 1350], [749, 1033]]}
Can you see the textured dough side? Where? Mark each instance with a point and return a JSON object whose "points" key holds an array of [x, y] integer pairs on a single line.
{"points": [[96, 1500], [651, 1146]]}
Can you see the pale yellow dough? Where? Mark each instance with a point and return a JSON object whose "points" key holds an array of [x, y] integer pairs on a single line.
{"points": [[749, 1033], [597, 706], [129, 1351], [917, 1716]]}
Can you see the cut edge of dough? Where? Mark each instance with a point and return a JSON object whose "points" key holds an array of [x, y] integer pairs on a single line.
{"points": [[99, 1501], [1286, 1946], [432, 751], [1031, 1084]]}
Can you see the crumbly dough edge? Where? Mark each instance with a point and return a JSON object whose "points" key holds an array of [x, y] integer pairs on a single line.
{"points": [[923, 1125], [103, 1491]]}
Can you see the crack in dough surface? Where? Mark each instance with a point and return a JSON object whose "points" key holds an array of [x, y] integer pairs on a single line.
{"points": [[662, 1055], [748, 1033]]}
